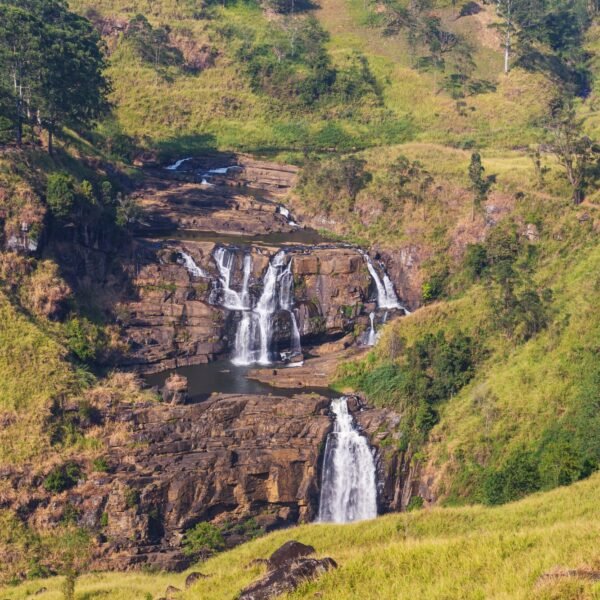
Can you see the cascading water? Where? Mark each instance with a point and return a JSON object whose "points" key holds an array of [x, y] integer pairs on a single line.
{"points": [[190, 264], [386, 295], [349, 484], [175, 166], [372, 336], [225, 260], [254, 335], [267, 306], [286, 300]]}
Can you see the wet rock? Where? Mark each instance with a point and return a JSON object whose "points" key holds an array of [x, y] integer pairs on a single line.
{"points": [[287, 578], [193, 577], [175, 389], [289, 552]]}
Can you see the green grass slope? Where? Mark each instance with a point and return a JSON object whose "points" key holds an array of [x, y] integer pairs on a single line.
{"points": [[178, 111], [460, 553]]}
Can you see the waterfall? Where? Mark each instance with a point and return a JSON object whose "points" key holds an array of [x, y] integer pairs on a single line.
{"points": [[372, 337], [349, 486], [267, 306], [225, 261], [286, 301], [175, 166], [244, 352], [285, 213], [386, 295], [190, 264], [254, 336]]}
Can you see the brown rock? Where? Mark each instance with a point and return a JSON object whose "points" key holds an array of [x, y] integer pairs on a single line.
{"points": [[287, 578], [193, 577], [171, 592], [175, 389], [289, 552]]}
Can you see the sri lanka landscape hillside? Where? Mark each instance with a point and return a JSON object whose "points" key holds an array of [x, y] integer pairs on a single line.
{"points": [[299, 299]]}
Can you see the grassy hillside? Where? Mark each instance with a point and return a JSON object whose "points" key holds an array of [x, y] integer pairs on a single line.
{"points": [[529, 399], [217, 107], [467, 553]]}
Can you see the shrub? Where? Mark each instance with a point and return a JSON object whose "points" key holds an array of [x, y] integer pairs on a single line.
{"points": [[60, 194], [101, 465], [518, 477], [202, 540], [62, 478], [132, 498], [85, 339]]}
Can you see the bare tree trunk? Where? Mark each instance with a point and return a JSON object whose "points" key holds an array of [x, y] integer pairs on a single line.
{"points": [[50, 142], [507, 53]]}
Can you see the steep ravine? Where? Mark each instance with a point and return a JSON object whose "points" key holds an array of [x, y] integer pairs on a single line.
{"points": [[188, 300]]}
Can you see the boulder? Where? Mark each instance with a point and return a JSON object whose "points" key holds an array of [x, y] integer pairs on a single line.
{"points": [[171, 592], [176, 389], [193, 577], [289, 552], [287, 578]]}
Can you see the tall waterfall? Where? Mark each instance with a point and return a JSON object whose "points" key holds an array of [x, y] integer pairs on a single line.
{"points": [[386, 295], [254, 336], [286, 300], [349, 485], [267, 306]]}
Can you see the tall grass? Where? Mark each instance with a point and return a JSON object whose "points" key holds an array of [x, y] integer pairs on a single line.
{"points": [[465, 553]]}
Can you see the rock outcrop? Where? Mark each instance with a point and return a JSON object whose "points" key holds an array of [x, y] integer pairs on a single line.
{"points": [[171, 319], [288, 567]]}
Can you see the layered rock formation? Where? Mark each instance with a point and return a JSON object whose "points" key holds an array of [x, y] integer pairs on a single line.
{"points": [[170, 319]]}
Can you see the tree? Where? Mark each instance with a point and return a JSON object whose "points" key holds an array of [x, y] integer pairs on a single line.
{"points": [[574, 151], [60, 194], [20, 60], [202, 540], [51, 66], [72, 88], [480, 185]]}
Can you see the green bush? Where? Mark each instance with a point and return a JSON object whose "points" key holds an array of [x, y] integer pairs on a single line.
{"points": [[132, 498], [101, 465], [202, 540], [518, 477], [60, 194], [62, 478], [85, 339]]}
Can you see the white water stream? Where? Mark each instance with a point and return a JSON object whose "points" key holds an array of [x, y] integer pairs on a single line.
{"points": [[349, 483]]}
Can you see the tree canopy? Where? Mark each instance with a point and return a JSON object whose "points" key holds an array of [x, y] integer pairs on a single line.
{"points": [[51, 67]]}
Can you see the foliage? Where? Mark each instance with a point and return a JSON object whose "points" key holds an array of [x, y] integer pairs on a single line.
{"points": [[51, 66], [60, 194], [132, 498], [69, 552], [202, 540], [480, 185], [62, 477], [85, 339], [333, 182], [576, 152], [151, 44], [433, 369]]}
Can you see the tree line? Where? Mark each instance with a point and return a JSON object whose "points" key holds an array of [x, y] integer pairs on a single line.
{"points": [[51, 69]]}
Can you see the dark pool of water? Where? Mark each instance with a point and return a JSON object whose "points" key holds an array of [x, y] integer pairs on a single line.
{"points": [[223, 377], [301, 237]]}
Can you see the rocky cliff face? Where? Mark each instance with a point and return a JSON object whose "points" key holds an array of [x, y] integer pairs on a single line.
{"points": [[226, 460], [170, 319]]}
